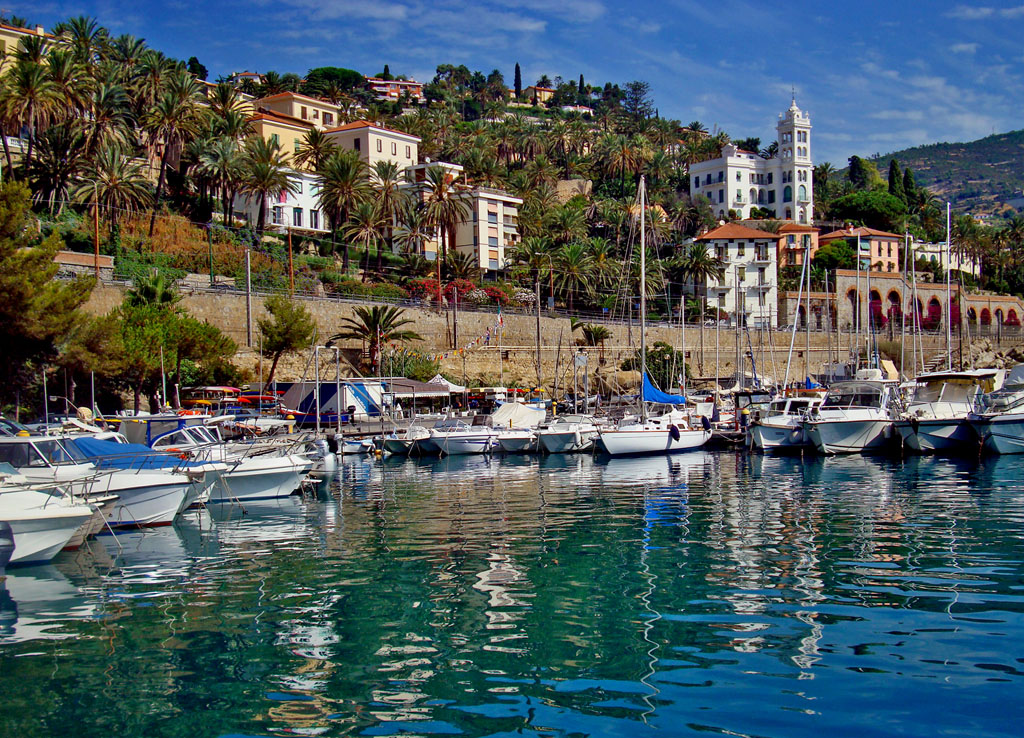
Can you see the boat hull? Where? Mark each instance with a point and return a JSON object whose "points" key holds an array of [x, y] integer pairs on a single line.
{"points": [[849, 436], [41, 525], [148, 505], [1000, 434], [456, 444], [938, 435], [519, 444], [566, 442], [642, 442], [769, 436], [261, 479]]}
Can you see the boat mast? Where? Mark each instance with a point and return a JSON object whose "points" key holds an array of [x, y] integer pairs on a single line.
{"points": [[949, 301], [643, 299]]}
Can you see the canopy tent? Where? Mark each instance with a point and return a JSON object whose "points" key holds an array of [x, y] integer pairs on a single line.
{"points": [[410, 389], [452, 387], [517, 415]]}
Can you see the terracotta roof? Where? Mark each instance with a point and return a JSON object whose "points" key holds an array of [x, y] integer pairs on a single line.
{"points": [[395, 81], [263, 114], [283, 95], [357, 124], [29, 31], [732, 231], [861, 231], [796, 228]]}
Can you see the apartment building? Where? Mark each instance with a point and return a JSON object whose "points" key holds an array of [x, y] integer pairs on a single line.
{"points": [[377, 143], [491, 229], [749, 285], [796, 240], [319, 113], [742, 180], [392, 90], [879, 250]]}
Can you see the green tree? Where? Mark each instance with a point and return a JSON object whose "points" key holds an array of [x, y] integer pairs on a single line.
{"points": [[518, 82], [196, 69], [834, 255], [873, 208], [343, 185], [288, 327], [36, 311], [265, 174], [595, 334], [697, 266], [118, 183], [896, 181], [374, 326]]}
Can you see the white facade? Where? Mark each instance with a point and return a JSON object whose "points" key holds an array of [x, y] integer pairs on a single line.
{"points": [[741, 180], [296, 211], [936, 253], [750, 283], [491, 228]]}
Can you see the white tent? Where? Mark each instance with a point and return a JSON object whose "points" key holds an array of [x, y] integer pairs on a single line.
{"points": [[453, 388]]}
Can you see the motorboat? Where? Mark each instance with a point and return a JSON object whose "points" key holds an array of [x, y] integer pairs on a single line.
{"points": [[855, 416], [935, 419], [567, 434], [517, 441], [465, 438], [146, 497], [781, 425], [998, 417], [42, 523], [401, 442]]}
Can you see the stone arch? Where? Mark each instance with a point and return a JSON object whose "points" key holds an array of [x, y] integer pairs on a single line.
{"points": [[1012, 318], [753, 195], [986, 316], [999, 316], [854, 300], [972, 316], [760, 197], [801, 316]]}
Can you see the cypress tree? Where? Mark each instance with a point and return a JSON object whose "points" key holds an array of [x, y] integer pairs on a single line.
{"points": [[858, 177], [909, 186], [519, 81], [387, 72], [581, 87], [896, 181]]}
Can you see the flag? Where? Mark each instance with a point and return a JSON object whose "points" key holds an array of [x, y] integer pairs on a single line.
{"points": [[500, 319]]}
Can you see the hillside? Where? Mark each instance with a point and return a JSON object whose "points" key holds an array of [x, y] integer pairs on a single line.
{"points": [[978, 176]]}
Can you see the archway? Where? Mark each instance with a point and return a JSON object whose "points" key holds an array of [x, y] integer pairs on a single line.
{"points": [[972, 316], [934, 316], [801, 317], [999, 316], [878, 319], [894, 310], [1012, 319], [854, 300], [986, 316], [753, 196]]}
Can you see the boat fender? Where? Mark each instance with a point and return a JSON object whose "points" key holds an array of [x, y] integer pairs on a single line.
{"points": [[576, 438], [915, 423], [673, 431]]}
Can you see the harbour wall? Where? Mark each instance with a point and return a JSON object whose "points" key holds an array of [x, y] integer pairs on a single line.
{"points": [[509, 356]]}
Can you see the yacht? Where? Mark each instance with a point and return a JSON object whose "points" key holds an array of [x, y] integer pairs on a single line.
{"points": [[781, 426], [936, 417], [401, 442], [855, 416], [465, 438], [568, 434], [518, 441], [668, 433], [998, 417]]}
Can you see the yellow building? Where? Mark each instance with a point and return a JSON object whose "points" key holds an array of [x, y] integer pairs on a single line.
{"points": [[377, 143], [10, 36], [540, 94], [303, 107], [286, 130]]}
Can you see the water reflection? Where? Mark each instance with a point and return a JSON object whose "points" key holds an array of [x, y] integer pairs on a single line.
{"points": [[755, 595]]}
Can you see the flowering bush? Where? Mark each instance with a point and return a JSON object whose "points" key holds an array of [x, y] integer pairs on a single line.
{"points": [[524, 297], [498, 295], [477, 296], [424, 288], [1012, 319], [462, 287]]}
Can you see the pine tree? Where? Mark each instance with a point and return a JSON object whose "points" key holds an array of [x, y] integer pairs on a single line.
{"points": [[858, 177], [519, 81], [909, 187], [896, 181]]}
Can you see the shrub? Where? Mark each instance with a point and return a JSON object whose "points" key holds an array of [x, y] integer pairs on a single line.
{"points": [[424, 288]]}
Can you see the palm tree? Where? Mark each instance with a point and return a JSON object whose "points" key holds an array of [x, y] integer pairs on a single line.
{"points": [[176, 117], [462, 265], [60, 153], [375, 325], [29, 98], [83, 36], [595, 335], [153, 289], [109, 120], [343, 185], [385, 178], [223, 164], [445, 210], [698, 265], [265, 175], [116, 182], [365, 227], [573, 270], [315, 149], [534, 254]]}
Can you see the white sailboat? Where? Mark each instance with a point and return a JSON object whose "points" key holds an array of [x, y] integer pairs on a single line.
{"points": [[666, 433]]}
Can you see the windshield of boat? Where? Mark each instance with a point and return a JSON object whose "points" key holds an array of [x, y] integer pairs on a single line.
{"points": [[853, 394], [57, 453], [21, 455], [10, 427], [944, 391]]}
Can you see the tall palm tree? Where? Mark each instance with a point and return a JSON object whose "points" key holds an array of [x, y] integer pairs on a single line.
{"points": [[116, 182], [386, 178], [343, 185], [366, 227], [445, 210], [109, 119], [83, 36], [697, 265], [462, 265], [413, 229], [314, 150], [595, 334], [573, 270], [59, 156], [223, 164], [175, 118], [265, 175], [29, 98], [534, 255], [375, 325]]}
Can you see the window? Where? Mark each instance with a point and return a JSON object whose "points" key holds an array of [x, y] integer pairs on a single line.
{"points": [[275, 139], [802, 193], [492, 241], [394, 149], [297, 217], [305, 113], [741, 248], [696, 182], [278, 215], [298, 186], [355, 144], [298, 145], [739, 177], [721, 177], [787, 194], [741, 275], [769, 177], [314, 219], [316, 114], [739, 195], [408, 152], [721, 196], [380, 146], [492, 217], [328, 119]]}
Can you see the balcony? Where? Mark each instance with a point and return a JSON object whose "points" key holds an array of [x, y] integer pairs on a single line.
{"points": [[763, 257], [763, 286]]}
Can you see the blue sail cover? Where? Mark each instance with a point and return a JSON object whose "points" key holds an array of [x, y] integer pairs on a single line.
{"points": [[650, 393], [114, 455]]}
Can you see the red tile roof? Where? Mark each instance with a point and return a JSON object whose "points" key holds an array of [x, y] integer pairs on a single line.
{"points": [[732, 231], [357, 124], [796, 228], [861, 231]]}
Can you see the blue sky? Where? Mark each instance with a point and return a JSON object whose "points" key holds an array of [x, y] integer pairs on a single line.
{"points": [[875, 77]]}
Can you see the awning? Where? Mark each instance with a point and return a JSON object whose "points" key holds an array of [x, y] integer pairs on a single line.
{"points": [[410, 389], [452, 388]]}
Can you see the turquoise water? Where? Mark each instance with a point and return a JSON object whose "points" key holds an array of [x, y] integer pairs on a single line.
{"points": [[563, 596]]}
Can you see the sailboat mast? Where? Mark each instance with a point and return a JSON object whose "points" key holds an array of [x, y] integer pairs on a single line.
{"points": [[949, 298], [643, 297]]}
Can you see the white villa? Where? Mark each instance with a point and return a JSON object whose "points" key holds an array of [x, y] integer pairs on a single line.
{"points": [[750, 283], [740, 180]]}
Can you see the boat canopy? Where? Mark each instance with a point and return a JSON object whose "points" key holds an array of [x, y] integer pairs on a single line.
{"points": [[650, 393], [854, 394], [517, 415]]}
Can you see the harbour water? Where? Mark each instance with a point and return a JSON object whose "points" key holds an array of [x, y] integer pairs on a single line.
{"points": [[570, 596]]}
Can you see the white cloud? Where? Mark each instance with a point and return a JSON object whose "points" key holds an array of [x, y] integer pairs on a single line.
{"points": [[963, 48], [967, 12]]}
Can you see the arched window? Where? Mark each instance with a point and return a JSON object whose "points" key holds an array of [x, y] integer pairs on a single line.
{"points": [[789, 214], [753, 195], [986, 316], [802, 193], [999, 316], [760, 197], [972, 316], [787, 194]]}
